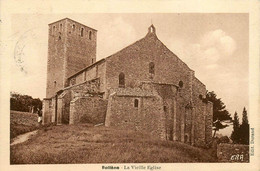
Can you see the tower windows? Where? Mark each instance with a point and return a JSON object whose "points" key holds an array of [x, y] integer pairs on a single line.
{"points": [[164, 108], [54, 83], [82, 32], [121, 80], [136, 103], [54, 28], [151, 68], [73, 27], [90, 35], [60, 26], [59, 35]]}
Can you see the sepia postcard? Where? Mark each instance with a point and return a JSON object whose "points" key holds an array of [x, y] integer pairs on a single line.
{"points": [[129, 85]]}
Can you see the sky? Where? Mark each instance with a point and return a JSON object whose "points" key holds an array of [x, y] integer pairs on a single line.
{"points": [[215, 46]]}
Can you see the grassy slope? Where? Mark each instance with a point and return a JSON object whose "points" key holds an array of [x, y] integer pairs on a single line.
{"points": [[22, 122], [84, 144]]}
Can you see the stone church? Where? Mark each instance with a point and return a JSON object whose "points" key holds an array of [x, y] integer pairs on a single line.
{"points": [[143, 87]]}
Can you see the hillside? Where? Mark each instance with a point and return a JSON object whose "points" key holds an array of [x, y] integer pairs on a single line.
{"points": [[88, 144], [22, 122]]}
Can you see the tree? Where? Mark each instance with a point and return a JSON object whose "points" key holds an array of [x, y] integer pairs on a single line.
{"points": [[220, 114], [219, 111], [235, 136], [23, 103], [244, 129]]}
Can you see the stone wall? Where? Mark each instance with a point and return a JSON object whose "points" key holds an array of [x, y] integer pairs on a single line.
{"points": [[80, 49], [57, 109], [233, 153], [208, 123], [88, 110], [63, 110], [134, 62], [56, 58], [168, 93], [202, 115], [46, 117], [147, 115], [188, 125], [49, 110], [182, 121], [95, 71], [54, 109], [86, 88]]}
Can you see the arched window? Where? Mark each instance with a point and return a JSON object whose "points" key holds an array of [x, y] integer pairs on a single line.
{"points": [[121, 80], [54, 28], [60, 26], [136, 103], [73, 27], [82, 32], [90, 35], [180, 84], [151, 67]]}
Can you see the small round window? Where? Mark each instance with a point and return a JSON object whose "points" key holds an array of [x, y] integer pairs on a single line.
{"points": [[180, 84]]}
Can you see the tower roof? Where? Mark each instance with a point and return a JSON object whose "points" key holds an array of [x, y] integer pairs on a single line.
{"points": [[72, 21]]}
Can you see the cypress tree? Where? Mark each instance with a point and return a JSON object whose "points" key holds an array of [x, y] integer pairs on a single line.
{"points": [[244, 129], [236, 130]]}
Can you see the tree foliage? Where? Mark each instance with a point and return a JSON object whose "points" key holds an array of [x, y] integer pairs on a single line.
{"points": [[219, 109], [220, 113], [240, 133], [235, 133], [24, 103], [244, 129]]}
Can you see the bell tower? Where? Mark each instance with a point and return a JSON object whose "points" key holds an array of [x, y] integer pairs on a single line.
{"points": [[71, 47]]}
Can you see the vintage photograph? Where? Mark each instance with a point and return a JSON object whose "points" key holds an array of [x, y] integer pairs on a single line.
{"points": [[129, 88]]}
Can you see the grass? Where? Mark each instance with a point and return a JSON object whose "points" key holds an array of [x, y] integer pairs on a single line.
{"points": [[22, 122], [86, 144]]}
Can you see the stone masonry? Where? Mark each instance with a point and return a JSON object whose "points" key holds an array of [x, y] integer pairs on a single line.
{"points": [[234, 153], [70, 49], [143, 87]]}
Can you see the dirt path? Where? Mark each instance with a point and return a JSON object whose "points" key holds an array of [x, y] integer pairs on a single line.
{"points": [[23, 137]]}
